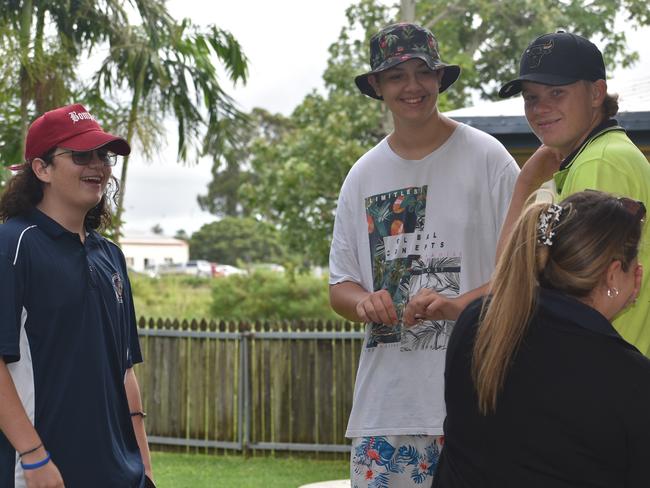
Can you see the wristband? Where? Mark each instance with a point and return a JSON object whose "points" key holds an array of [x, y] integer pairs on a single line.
{"points": [[34, 449], [37, 465], [140, 413]]}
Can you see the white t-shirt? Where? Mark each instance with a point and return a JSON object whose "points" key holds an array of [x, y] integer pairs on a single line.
{"points": [[403, 225]]}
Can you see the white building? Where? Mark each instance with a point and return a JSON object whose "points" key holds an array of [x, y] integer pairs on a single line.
{"points": [[145, 251]]}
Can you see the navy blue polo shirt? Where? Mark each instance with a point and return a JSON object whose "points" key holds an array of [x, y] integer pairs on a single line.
{"points": [[68, 335]]}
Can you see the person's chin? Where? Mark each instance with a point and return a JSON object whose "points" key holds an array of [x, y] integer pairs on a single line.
{"points": [[91, 203], [550, 139]]}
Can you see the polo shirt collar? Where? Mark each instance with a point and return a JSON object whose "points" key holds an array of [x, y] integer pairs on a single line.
{"points": [[561, 175], [599, 130], [48, 225], [563, 308]]}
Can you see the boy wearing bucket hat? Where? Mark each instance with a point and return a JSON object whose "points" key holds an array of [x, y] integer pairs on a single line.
{"points": [[420, 213], [562, 79], [70, 407]]}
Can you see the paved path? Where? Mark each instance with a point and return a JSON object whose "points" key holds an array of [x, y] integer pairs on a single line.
{"points": [[328, 484]]}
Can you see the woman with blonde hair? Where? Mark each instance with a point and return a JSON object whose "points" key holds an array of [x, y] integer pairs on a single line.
{"points": [[541, 390]]}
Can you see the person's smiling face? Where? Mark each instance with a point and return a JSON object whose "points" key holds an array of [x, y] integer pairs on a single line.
{"points": [[562, 116], [77, 186], [410, 90]]}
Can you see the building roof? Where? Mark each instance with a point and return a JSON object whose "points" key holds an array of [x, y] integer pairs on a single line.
{"points": [[634, 96], [505, 119], [150, 239]]}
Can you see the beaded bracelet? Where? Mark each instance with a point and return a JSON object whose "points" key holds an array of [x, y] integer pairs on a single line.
{"points": [[38, 464], [138, 414]]}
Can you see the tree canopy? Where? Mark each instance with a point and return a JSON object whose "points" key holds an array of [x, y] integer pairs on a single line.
{"points": [[154, 69], [232, 240], [231, 169], [171, 73], [487, 38], [297, 176]]}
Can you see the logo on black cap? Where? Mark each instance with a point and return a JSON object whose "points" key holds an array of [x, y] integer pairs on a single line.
{"points": [[537, 52], [556, 59]]}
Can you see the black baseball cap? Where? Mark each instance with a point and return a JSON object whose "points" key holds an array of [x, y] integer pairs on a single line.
{"points": [[397, 43], [560, 58]]}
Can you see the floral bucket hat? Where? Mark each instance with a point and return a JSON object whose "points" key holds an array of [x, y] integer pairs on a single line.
{"points": [[397, 43]]}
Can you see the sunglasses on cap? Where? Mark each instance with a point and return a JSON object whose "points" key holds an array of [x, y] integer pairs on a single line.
{"points": [[633, 207], [84, 158]]}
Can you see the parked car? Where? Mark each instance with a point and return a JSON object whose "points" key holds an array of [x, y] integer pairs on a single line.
{"points": [[226, 270], [170, 268], [276, 268], [197, 267]]}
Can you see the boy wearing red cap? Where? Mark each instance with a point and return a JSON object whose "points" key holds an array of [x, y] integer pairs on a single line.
{"points": [[70, 407], [417, 222]]}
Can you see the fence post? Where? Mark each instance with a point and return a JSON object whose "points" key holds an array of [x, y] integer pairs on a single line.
{"points": [[244, 416]]}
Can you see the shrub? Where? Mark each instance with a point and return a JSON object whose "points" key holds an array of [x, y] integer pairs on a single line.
{"points": [[170, 296], [268, 295]]}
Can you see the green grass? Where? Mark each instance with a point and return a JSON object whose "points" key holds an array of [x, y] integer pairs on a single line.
{"points": [[173, 470], [170, 296], [263, 295]]}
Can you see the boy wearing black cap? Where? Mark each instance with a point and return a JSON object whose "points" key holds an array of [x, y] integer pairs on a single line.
{"points": [[70, 407], [563, 83], [420, 213]]}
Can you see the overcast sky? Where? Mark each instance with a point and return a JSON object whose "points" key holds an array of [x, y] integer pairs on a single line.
{"points": [[286, 43]]}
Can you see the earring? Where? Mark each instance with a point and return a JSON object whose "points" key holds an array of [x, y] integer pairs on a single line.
{"points": [[612, 292]]}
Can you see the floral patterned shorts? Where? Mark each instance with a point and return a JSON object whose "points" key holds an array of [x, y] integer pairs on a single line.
{"points": [[397, 461]]}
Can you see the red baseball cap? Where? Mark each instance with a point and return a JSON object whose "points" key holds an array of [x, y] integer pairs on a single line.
{"points": [[71, 127]]}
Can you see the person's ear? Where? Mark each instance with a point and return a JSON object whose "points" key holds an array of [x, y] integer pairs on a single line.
{"points": [[374, 83], [598, 92], [614, 270], [41, 169]]}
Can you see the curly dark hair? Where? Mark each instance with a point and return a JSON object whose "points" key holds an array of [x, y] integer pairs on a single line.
{"points": [[24, 191]]}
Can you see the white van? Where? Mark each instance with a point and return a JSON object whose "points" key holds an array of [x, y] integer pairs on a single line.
{"points": [[198, 268]]}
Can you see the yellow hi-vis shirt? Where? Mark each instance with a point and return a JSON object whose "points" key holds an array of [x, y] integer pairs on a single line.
{"points": [[609, 161]]}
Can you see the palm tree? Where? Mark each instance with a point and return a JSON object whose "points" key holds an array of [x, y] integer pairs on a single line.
{"points": [[169, 70], [42, 40]]}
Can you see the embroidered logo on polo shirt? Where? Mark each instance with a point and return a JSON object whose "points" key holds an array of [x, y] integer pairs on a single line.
{"points": [[118, 286]]}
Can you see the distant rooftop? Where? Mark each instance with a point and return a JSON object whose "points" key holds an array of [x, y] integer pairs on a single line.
{"points": [[149, 238], [505, 119], [634, 96]]}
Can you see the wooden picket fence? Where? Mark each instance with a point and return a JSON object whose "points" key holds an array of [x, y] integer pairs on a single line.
{"points": [[239, 386]]}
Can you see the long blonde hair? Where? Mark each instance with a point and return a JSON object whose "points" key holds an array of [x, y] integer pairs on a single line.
{"points": [[594, 229]]}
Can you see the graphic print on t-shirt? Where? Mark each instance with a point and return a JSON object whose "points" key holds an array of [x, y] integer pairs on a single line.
{"points": [[406, 258]]}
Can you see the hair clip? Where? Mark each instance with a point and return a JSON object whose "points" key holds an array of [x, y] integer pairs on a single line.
{"points": [[547, 221]]}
